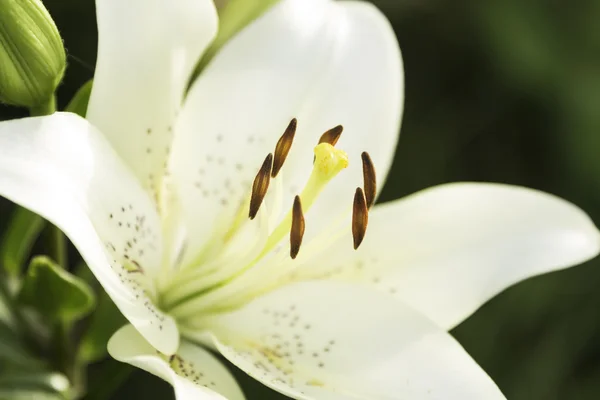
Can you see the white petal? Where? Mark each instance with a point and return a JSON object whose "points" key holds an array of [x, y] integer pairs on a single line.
{"points": [[62, 168], [193, 371], [324, 62], [330, 340], [146, 52], [448, 249]]}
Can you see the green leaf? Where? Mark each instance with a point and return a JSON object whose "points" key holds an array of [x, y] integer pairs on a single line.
{"points": [[107, 377], [36, 385], [23, 229], [233, 17], [25, 394], [54, 292], [6, 316], [13, 350], [79, 102], [105, 320]]}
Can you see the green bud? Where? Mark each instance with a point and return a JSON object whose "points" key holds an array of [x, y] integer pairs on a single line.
{"points": [[32, 56]]}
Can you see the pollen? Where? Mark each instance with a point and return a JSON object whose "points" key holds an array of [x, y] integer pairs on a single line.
{"points": [[332, 135], [370, 182], [297, 230], [360, 217], [260, 186], [283, 147]]}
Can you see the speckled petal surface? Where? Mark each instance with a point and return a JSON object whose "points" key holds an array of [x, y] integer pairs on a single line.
{"points": [[62, 168], [332, 341], [193, 371]]}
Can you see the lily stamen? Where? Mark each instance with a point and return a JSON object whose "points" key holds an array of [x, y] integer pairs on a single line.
{"points": [[360, 217], [298, 225], [284, 144], [260, 185], [369, 179], [332, 136]]}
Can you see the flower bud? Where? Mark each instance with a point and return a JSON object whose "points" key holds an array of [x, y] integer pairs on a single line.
{"points": [[32, 56]]}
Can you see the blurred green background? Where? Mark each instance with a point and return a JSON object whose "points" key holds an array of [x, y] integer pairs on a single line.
{"points": [[496, 90]]}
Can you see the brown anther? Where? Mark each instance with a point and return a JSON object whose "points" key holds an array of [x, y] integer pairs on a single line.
{"points": [[332, 135], [360, 217], [260, 186], [297, 231], [283, 147], [370, 181]]}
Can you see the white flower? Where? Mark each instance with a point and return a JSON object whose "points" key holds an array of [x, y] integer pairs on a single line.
{"points": [[156, 194]]}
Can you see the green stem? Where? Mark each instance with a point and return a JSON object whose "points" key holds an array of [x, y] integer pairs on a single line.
{"points": [[6, 297], [21, 323], [58, 242], [65, 359], [59, 247], [46, 108]]}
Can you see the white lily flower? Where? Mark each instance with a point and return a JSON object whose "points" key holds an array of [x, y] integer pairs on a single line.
{"points": [[155, 193]]}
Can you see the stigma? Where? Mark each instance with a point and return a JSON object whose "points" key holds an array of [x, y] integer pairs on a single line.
{"points": [[329, 161]]}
